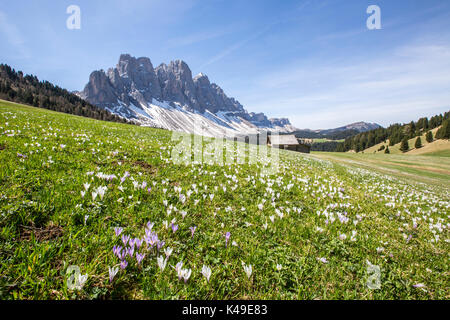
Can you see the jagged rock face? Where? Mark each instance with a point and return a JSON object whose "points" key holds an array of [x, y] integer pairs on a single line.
{"points": [[99, 89], [134, 87], [176, 84]]}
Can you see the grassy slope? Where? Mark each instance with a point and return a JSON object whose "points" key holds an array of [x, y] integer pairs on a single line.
{"points": [[440, 146], [313, 204], [425, 169]]}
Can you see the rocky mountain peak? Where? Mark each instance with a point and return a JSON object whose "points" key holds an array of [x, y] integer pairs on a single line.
{"points": [[135, 84]]}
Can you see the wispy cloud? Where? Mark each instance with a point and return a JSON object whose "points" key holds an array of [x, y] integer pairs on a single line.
{"points": [[407, 82], [239, 44], [197, 37], [13, 36], [233, 48]]}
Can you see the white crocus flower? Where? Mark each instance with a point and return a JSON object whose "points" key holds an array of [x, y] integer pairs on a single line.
{"points": [[81, 280], [168, 251], [161, 262], [206, 272], [247, 270]]}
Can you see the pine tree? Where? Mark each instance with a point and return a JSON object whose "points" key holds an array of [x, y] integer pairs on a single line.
{"points": [[404, 145], [444, 131], [429, 137], [418, 143]]}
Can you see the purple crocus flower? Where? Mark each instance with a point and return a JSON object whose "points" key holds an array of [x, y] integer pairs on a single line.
{"points": [[192, 230], [118, 231], [130, 251], [138, 242], [125, 239], [117, 250], [139, 257], [131, 242], [174, 227], [123, 264], [125, 176], [151, 238], [124, 254], [160, 244], [227, 237], [149, 190]]}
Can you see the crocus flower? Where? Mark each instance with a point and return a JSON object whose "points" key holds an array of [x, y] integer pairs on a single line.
{"points": [[117, 250], [168, 251], [150, 225], [186, 273], [206, 272], [81, 280], [126, 175], [112, 273], [227, 237], [125, 239], [139, 257], [161, 263], [160, 244], [123, 264], [178, 268], [174, 227], [247, 270], [130, 251], [323, 260], [101, 191], [138, 242], [192, 230]]}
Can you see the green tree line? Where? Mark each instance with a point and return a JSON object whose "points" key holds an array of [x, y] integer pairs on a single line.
{"points": [[27, 89], [397, 133]]}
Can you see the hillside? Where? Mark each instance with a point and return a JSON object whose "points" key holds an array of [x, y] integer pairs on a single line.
{"points": [[113, 200], [437, 147], [397, 132], [17, 87]]}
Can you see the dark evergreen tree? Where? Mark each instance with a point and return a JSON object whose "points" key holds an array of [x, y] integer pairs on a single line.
{"points": [[444, 131], [429, 137], [418, 143], [404, 145]]}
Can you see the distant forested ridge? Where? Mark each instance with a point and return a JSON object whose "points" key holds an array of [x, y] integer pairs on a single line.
{"points": [[27, 89], [396, 133], [334, 135], [327, 146]]}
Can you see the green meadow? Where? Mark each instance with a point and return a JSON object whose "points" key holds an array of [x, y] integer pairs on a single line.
{"points": [[108, 201]]}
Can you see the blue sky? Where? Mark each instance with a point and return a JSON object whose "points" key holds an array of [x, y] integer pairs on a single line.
{"points": [[313, 61]]}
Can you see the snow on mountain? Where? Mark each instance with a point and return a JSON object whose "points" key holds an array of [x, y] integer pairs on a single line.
{"points": [[169, 97]]}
